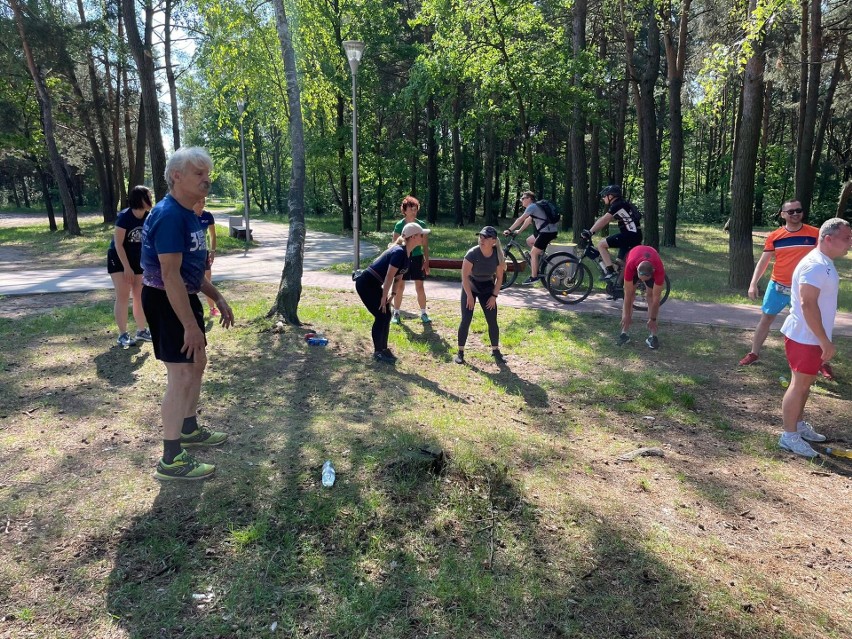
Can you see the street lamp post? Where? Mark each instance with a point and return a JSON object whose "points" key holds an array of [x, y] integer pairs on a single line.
{"points": [[241, 105], [354, 51]]}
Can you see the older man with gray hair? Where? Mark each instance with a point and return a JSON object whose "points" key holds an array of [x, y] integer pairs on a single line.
{"points": [[808, 331], [174, 256]]}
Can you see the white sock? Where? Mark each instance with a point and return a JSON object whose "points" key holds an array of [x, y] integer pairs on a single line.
{"points": [[423, 310]]}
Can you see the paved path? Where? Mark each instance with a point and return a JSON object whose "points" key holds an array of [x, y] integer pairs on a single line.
{"points": [[264, 264]]}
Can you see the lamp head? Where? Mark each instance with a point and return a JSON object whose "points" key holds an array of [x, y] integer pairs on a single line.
{"points": [[354, 51]]}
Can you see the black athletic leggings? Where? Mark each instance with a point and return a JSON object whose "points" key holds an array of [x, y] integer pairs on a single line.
{"points": [[481, 291], [370, 291]]}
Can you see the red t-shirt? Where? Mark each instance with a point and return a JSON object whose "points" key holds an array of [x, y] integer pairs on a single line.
{"points": [[640, 254]]}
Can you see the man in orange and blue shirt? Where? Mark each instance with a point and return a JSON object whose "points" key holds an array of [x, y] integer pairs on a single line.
{"points": [[788, 245]]}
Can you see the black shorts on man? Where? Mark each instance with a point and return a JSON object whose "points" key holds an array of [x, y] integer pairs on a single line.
{"points": [[415, 269], [114, 264], [166, 329], [624, 242], [543, 239]]}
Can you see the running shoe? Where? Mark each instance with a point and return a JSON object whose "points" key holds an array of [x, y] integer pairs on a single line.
{"points": [[389, 354], [382, 356], [609, 276], [202, 437], [395, 319], [125, 341], [623, 339], [184, 466], [808, 433], [143, 336], [749, 359], [827, 371], [459, 358], [498, 356], [531, 280], [794, 443], [652, 342], [425, 318]]}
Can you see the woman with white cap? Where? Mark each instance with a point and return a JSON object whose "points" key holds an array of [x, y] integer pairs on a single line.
{"points": [[482, 276], [375, 285]]}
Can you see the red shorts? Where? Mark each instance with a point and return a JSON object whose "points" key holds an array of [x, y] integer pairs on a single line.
{"points": [[803, 358]]}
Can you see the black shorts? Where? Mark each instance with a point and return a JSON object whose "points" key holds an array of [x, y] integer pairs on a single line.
{"points": [[543, 239], [114, 264], [624, 242], [415, 269], [166, 329]]}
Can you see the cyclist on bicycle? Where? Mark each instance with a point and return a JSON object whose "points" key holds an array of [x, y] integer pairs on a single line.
{"points": [[643, 264], [629, 232], [544, 232]]}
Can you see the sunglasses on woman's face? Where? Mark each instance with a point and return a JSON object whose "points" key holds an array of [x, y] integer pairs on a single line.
{"points": [[794, 211]]}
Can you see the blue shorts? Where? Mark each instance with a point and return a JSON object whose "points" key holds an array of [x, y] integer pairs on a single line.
{"points": [[774, 300]]}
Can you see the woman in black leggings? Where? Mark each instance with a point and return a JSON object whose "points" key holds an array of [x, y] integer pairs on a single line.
{"points": [[375, 285], [482, 276]]}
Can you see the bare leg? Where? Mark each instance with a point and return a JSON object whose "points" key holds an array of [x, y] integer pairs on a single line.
{"points": [[535, 254], [182, 392], [138, 312], [761, 332], [122, 297], [397, 299], [793, 404], [421, 293], [603, 247]]}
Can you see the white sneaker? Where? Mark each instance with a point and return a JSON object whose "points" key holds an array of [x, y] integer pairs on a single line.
{"points": [[808, 433], [794, 443]]}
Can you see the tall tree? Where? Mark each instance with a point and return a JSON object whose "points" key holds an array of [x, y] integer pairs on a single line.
{"points": [[290, 287], [675, 68], [579, 166], [45, 101], [143, 54], [743, 169]]}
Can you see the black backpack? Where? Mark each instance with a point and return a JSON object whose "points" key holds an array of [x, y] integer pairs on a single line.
{"points": [[553, 216], [635, 213]]}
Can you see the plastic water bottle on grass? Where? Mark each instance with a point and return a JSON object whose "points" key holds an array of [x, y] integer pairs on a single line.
{"points": [[783, 381], [328, 474]]}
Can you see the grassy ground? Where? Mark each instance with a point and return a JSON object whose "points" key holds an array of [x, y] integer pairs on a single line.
{"points": [[89, 249], [532, 527], [698, 266]]}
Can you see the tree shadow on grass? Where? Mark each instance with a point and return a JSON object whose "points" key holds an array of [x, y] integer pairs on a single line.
{"points": [[119, 366], [534, 395]]}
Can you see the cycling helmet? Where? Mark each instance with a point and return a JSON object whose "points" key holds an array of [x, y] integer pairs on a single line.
{"points": [[612, 189]]}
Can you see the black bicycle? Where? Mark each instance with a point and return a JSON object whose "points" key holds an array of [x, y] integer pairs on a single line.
{"points": [[565, 278], [576, 273]]}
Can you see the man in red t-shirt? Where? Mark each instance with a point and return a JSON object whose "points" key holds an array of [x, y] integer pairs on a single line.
{"points": [[788, 245], [643, 263]]}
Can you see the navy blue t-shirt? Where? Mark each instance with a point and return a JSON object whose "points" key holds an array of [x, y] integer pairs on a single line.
{"points": [[396, 256], [132, 226], [171, 228]]}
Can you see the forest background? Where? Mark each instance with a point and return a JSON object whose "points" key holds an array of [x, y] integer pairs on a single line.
{"points": [[705, 110]]}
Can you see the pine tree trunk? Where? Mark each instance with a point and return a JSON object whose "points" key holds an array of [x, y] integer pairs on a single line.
{"points": [[290, 288], [741, 252], [432, 186], [458, 163], [170, 71], [144, 56], [45, 103], [342, 168]]}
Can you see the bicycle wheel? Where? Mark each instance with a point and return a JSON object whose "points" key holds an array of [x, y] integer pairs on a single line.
{"points": [[641, 301], [510, 274], [569, 281]]}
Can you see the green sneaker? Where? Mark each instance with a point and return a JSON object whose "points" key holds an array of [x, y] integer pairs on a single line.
{"points": [[202, 437], [395, 319], [184, 466]]}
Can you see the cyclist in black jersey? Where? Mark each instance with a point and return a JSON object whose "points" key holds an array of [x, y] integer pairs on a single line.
{"points": [[629, 232]]}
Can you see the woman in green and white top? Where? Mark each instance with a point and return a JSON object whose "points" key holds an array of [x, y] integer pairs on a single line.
{"points": [[419, 267], [482, 275]]}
